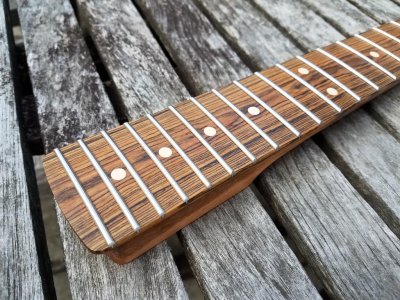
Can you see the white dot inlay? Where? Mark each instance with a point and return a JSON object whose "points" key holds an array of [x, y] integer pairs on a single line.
{"points": [[254, 111], [374, 54], [165, 152], [332, 91], [210, 131], [118, 174], [303, 71]]}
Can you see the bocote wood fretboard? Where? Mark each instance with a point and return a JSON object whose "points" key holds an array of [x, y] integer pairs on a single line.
{"points": [[126, 189]]}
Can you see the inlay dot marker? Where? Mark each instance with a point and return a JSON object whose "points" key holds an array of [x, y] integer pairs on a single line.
{"points": [[332, 91], [303, 71], [254, 111], [210, 131], [118, 174], [165, 152], [374, 54]]}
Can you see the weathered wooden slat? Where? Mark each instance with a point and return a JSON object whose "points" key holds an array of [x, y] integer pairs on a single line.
{"points": [[20, 274], [342, 14], [71, 104], [128, 49], [354, 151], [235, 28], [380, 10], [377, 188], [284, 12], [354, 252], [94, 16], [312, 249]]}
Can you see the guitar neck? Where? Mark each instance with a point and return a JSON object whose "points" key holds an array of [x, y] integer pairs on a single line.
{"points": [[126, 189]]}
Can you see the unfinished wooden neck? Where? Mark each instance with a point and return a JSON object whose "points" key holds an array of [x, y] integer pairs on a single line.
{"points": [[126, 189]]}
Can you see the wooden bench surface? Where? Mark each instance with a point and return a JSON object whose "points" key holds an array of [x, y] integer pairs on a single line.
{"points": [[323, 220]]}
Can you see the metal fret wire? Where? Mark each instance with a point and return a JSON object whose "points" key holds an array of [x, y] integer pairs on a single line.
{"points": [[246, 119], [343, 64], [203, 141], [225, 130], [377, 46], [310, 87], [387, 34], [88, 203], [289, 97], [134, 174], [395, 23], [390, 74], [268, 108], [158, 163], [125, 209], [180, 151], [331, 78]]}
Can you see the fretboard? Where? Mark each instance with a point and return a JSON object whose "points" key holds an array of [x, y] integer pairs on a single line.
{"points": [[146, 179]]}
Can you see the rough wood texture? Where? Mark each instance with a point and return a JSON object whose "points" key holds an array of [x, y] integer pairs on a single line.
{"points": [[232, 262], [141, 74], [334, 227], [291, 220], [354, 141], [380, 10], [236, 22], [342, 14], [72, 103], [20, 276]]}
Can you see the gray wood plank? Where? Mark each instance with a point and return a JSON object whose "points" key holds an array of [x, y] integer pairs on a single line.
{"points": [[333, 285], [380, 10], [269, 259], [235, 23], [357, 256], [359, 157], [301, 23], [141, 74], [71, 104], [20, 276], [347, 16]]}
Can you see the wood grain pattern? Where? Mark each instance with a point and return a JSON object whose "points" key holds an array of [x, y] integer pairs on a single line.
{"points": [[20, 260], [72, 103], [101, 195]]}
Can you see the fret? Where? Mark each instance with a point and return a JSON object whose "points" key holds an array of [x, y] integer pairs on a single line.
{"points": [[158, 163], [345, 65], [384, 50], [331, 78], [134, 174], [370, 61], [395, 23], [311, 88], [121, 203], [246, 119], [242, 147], [289, 97], [195, 169], [203, 141], [387, 34], [88, 203], [268, 108]]}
